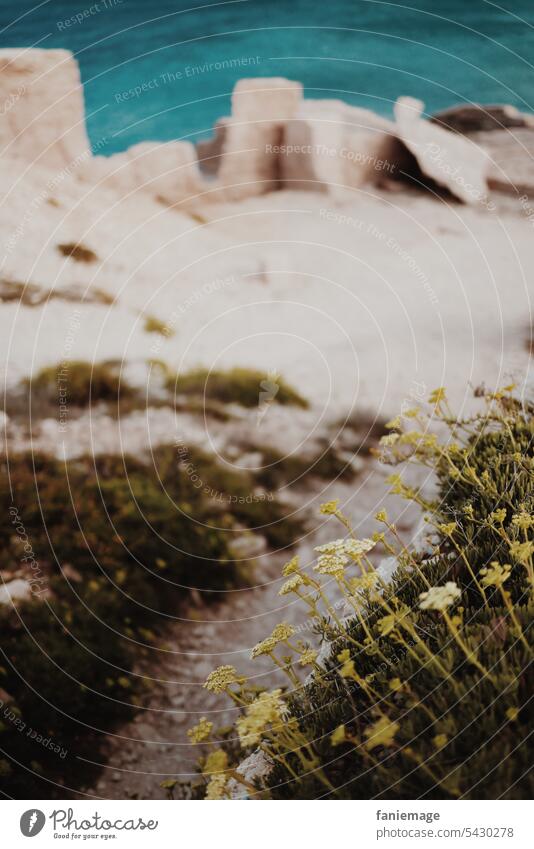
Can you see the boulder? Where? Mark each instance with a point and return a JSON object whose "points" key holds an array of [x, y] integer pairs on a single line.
{"points": [[249, 162], [16, 590], [169, 171], [474, 117], [42, 108], [511, 158], [331, 146], [451, 161]]}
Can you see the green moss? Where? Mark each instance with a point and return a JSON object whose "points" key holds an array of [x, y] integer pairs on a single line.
{"points": [[154, 325], [80, 382], [238, 385]]}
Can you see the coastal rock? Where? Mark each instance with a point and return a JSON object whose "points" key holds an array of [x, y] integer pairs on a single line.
{"points": [[511, 158], [169, 172], [472, 118], [331, 146], [43, 118], [249, 163], [447, 159], [16, 590]]}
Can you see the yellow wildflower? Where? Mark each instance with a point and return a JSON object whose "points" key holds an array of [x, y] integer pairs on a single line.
{"points": [[332, 564], [386, 624], [440, 740], [201, 731], [495, 575], [498, 516], [522, 551], [338, 736], [221, 678], [291, 566], [216, 787], [437, 395], [523, 520], [448, 529], [216, 761], [266, 709], [381, 733], [280, 633], [512, 713], [388, 440], [439, 598], [329, 507], [395, 684], [381, 516], [308, 657], [292, 584]]}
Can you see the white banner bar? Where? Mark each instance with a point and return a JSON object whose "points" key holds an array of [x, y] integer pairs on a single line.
{"points": [[268, 825]]}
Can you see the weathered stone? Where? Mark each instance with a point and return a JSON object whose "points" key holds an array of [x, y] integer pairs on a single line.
{"points": [[331, 146], [472, 118], [449, 160], [169, 172], [41, 101], [17, 590], [511, 160], [250, 159]]}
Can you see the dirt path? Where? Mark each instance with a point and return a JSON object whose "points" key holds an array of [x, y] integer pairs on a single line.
{"points": [[155, 746]]}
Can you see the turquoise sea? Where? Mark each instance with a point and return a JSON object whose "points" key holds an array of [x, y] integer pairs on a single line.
{"points": [[182, 58]]}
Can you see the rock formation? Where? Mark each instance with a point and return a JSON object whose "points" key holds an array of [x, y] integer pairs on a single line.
{"points": [[272, 139], [455, 163], [42, 109]]}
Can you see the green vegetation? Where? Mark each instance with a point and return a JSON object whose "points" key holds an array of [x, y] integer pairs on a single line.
{"points": [[154, 325], [117, 543], [424, 691], [238, 385], [77, 252], [79, 382]]}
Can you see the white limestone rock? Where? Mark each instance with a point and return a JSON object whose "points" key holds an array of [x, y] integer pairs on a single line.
{"points": [[448, 159], [249, 158], [331, 146], [169, 172], [43, 118], [16, 590]]}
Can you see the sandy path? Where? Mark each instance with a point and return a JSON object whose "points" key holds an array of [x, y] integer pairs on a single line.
{"points": [[154, 746]]}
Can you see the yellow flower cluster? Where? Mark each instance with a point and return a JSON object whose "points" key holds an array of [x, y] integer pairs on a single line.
{"points": [[522, 551], [201, 731], [354, 548], [381, 733], [267, 709], [220, 679], [293, 583], [338, 736], [439, 598], [280, 634], [523, 520], [329, 508], [495, 575]]}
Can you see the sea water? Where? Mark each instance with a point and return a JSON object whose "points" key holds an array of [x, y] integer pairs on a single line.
{"points": [[165, 70]]}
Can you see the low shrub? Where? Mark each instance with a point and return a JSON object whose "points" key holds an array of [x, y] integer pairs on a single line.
{"points": [[247, 387], [154, 325], [115, 544], [80, 382], [425, 687]]}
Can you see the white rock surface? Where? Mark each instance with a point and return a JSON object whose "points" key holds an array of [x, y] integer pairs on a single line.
{"points": [[43, 116], [17, 590], [450, 160]]}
